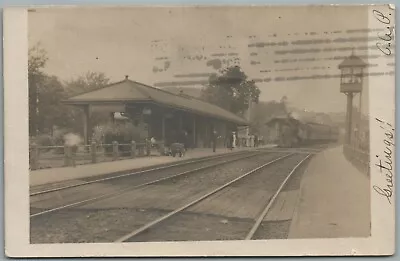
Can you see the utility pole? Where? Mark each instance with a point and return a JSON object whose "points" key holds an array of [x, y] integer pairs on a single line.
{"points": [[37, 110], [248, 114]]}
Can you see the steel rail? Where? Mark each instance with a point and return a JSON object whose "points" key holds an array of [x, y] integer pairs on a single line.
{"points": [[176, 211], [120, 192], [272, 201], [295, 151], [135, 173]]}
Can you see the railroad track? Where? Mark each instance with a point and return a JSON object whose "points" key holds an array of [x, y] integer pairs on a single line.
{"points": [[111, 216], [267, 208], [108, 218], [55, 187], [312, 149], [51, 200], [188, 221]]}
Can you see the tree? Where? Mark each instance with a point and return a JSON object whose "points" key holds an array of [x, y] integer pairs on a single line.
{"points": [[88, 82], [284, 102], [46, 93], [263, 112], [231, 90], [50, 111], [37, 59]]}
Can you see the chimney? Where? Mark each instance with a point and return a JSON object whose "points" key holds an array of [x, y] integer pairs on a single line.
{"points": [[126, 77]]}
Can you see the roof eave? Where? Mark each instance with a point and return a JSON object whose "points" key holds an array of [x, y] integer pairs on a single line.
{"points": [[82, 102], [87, 102]]}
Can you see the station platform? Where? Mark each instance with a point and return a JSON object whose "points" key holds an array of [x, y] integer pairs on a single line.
{"points": [[334, 199], [54, 175]]}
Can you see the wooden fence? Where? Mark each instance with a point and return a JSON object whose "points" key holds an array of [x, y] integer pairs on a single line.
{"points": [[65, 156], [360, 159]]}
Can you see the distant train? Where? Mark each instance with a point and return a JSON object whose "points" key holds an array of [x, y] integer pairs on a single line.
{"points": [[290, 132]]}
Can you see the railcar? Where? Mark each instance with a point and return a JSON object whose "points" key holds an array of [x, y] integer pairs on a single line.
{"points": [[289, 132], [321, 133]]}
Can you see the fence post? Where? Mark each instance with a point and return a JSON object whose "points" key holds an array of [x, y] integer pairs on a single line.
{"points": [[115, 150], [93, 151], [148, 147], [67, 156], [162, 148], [133, 149], [74, 150], [34, 156]]}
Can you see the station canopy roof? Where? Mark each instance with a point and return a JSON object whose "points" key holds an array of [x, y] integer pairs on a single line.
{"points": [[127, 91]]}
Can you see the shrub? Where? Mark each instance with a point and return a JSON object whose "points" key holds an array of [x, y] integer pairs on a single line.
{"points": [[58, 138], [64, 137], [121, 133], [43, 140], [98, 134], [72, 139]]}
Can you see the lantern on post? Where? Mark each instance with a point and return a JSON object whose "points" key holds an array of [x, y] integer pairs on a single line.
{"points": [[351, 83]]}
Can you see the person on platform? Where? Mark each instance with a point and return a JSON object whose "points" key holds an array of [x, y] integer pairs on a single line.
{"points": [[214, 138], [261, 140], [255, 140], [183, 139], [232, 141], [186, 140]]}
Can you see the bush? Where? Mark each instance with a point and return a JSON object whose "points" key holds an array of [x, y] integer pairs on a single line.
{"points": [[64, 137], [121, 133], [58, 138], [44, 140], [72, 139], [98, 134]]}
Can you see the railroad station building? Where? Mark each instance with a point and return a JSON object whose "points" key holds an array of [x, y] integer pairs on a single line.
{"points": [[163, 114]]}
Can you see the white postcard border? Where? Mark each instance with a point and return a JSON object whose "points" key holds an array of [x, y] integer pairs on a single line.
{"points": [[17, 178]]}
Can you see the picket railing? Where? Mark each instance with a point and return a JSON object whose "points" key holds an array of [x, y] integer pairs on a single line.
{"points": [[65, 156], [360, 159]]}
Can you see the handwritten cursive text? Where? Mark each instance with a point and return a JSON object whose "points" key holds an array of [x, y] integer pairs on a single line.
{"points": [[384, 43], [385, 162]]}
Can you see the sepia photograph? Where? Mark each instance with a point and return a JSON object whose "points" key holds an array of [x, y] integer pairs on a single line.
{"points": [[203, 124]]}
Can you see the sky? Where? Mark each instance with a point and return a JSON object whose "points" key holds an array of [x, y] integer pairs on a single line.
{"points": [[282, 48]]}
